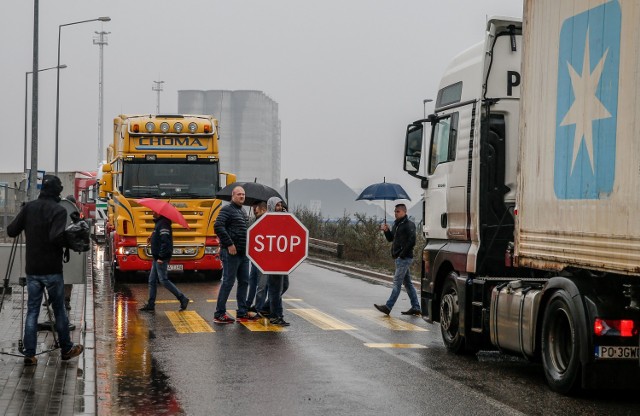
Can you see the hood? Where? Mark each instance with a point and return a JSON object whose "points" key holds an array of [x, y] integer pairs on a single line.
{"points": [[272, 202]]}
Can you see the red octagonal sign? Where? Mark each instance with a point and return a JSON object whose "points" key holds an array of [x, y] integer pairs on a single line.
{"points": [[277, 243]]}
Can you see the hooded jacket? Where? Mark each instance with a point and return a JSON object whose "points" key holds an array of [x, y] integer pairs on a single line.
{"points": [[43, 221], [162, 239], [403, 235], [272, 202]]}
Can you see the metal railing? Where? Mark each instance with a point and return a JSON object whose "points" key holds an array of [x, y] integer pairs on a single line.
{"points": [[327, 246]]}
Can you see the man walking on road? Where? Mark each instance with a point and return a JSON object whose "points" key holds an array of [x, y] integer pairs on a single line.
{"points": [[161, 250], [403, 236], [44, 222], [231, 229]]}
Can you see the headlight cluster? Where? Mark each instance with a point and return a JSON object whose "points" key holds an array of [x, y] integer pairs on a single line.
{"points": [[212, 250], [189, 251], [128, 251], [178, 127]]}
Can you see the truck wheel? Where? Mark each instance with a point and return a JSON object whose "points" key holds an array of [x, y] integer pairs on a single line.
{"points": [[450, 316], [560, 345]]}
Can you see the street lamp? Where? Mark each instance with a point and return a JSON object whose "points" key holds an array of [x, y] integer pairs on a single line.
{"points": [[26, 98], [424, 106], [100, 19]]}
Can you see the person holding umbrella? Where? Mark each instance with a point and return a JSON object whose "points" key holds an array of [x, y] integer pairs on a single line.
{"points": [[161, 250], [403, 236]]}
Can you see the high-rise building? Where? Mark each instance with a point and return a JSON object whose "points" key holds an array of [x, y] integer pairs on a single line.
{"points": [[249, 130]]}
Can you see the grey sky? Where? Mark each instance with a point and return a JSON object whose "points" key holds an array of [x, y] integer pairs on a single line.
{"points": [[348, 75]]}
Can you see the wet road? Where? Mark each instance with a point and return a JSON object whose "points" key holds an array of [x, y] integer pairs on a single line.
{"points": [[339, 356]]}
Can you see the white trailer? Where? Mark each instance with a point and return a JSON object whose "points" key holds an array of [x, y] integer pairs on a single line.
{"points": [[530, 170]]}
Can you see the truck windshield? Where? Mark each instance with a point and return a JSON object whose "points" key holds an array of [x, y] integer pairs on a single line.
{"points": [[170, 180]]}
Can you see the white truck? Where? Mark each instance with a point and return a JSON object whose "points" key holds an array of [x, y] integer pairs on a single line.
{"points": [[530, 167]]}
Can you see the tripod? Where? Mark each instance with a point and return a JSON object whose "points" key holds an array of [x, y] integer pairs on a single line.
{"points": [[22, 281]]}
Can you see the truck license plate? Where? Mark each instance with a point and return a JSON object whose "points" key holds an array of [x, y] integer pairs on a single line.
{"points": [[617, 352], [175, 267]]}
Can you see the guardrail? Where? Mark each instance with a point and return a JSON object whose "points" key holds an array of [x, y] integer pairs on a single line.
{"points": [[327, 246]]}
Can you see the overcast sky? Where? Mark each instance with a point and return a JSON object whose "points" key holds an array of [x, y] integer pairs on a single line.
{"points": [[348, 75]]}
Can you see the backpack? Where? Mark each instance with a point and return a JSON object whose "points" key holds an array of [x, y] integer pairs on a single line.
{"points": [[77, 234]]}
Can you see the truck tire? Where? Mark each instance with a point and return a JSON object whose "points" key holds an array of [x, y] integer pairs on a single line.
{"points": [[560, 344], [450, 315]]}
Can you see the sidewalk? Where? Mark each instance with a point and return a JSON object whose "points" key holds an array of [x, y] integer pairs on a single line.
{"points": [[53, 387]]}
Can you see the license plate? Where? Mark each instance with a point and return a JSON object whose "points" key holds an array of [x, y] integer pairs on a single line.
{"points": [[617, 353], [175, 267]]}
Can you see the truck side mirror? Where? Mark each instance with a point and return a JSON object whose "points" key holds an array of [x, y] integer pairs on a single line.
{"points": [[106, 168], [106, 183], [413, 149]]}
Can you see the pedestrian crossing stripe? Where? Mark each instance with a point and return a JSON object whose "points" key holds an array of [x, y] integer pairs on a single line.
{"points": [[321, 319], [165, 301], [188, 322], [259, 325], [386, 321], [382, 345], [216, 300]]}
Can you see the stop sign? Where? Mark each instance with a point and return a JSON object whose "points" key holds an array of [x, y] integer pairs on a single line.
{"points": [[277, 243]]}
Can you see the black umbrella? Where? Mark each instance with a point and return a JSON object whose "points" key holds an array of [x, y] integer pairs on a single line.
{"points": [[383, 191], [254, 192]]}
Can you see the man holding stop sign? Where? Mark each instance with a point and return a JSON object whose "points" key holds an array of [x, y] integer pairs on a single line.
{"points": [[277, 244]]}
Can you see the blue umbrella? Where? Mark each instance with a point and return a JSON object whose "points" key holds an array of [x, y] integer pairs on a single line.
{"points": [[383, 191]]}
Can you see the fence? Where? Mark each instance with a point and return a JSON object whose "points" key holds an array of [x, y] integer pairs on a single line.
{"points": [[10, 202], [327, 246]]}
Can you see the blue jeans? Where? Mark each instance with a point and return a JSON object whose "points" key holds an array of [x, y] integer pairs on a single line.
{"points": [[254, 276], [159, 274], [401, 277], [54, 283], [233, 267], [276, 283]]}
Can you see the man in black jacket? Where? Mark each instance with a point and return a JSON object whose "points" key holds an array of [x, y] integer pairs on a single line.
{"points": [[161, 251], [403, 235], [231, 229], [43, 222]]}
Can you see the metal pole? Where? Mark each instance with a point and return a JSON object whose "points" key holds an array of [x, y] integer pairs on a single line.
{"points": [[101, 41], [26, 99], [33, 178], [158, 88]]}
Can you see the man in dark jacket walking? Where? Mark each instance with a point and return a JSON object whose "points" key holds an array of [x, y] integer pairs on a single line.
{"points": [[231, 229], [43, 222], [161, 251], [403, 236]]}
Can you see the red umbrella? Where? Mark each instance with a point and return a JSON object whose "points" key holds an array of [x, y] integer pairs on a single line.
{"points": [[165, 209]]}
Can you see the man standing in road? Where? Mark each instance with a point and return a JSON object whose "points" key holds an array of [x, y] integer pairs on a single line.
{"points": [[161, 251], [44, 222], [278, 283], [231, 229], [403, 236]]}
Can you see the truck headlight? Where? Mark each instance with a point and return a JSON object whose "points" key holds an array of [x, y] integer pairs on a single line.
{"points": [[212, 250], [190, 251], [128, 251]]}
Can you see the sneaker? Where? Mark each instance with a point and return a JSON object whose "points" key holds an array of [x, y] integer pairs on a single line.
{"points": [[28, 361], [279, 322], [223, 319], [147, 308], [247, 318], [412, 311], [73, 352], [383, 309], [184, 303]]}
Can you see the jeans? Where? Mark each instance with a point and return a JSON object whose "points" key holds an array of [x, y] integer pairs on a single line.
{"points": [[254, 275], [54, 283], [275, 294], [402, 276], [233, 267], [159, 274], [261, 294]]}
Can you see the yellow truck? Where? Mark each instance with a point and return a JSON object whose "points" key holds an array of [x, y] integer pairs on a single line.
{"points": [[171, 157]]}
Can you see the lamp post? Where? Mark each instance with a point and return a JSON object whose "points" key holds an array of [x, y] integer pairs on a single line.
{"points": [[424, 106], [100, 19], [26, 99]]}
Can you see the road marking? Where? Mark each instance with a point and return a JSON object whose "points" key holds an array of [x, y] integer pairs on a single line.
{"points": [[188, 322], [259, 325], [216, 300], [374, 345], [166, 301], [386, 321], [321, 319], [292, 300]]}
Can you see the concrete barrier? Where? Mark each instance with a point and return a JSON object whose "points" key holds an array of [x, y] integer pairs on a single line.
{"points": [[75, 271]]}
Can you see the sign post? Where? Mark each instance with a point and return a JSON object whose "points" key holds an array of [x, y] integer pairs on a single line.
{"points": [[277, 243]]}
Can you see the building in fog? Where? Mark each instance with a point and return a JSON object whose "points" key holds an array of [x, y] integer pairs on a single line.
{"points": [[249, 131]]}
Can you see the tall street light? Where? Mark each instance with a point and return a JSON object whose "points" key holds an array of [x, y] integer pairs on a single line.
{"points": [[100, 19], [26, 99]]}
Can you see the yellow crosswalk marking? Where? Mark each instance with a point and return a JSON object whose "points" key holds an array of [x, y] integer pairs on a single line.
{"points": [[321, 319], [260, 325], [374, 345], [291, 300], [188, 322], [216, 300], [164, 301], [386, 321]]}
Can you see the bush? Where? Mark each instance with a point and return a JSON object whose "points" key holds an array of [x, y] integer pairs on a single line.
{"points": [[363, 241]]}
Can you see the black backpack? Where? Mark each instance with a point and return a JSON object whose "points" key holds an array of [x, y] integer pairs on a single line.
{"points": [[77, 234]]}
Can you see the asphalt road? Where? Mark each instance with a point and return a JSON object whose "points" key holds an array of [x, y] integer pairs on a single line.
{"points": [[339, 357]]}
